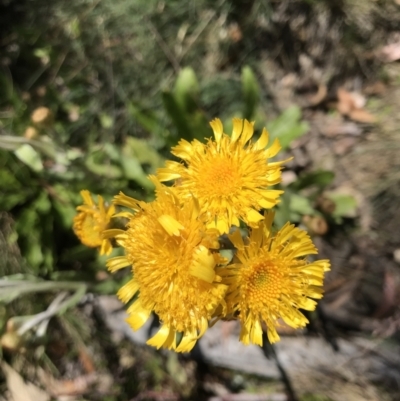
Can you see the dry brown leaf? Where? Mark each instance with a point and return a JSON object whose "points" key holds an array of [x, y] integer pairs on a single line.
{"points": [[235, 33], [78, 386], [348, 101], [19, 390], [345, 101], [319, 96], [390, 52], [376, 88], [337, 128], [389, 300], [86, 360], [316, 225], [351, 104], [362, 116], [344, 145]]}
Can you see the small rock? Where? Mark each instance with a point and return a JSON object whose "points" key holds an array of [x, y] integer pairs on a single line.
{"points": [[396, 256]]}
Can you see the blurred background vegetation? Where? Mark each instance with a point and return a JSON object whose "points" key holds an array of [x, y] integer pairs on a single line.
{"points": [[93, 93]]}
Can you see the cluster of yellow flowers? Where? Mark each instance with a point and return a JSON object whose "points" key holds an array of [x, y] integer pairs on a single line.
{"points": [[173, 244]]}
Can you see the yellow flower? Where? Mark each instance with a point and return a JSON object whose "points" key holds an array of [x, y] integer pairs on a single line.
{"points": [[230, 176], [173, 266], [91, 221], [272, 279]]}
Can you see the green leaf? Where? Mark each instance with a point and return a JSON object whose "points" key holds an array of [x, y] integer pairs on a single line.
{"points": [[251, 92], [143, 152], [99, 163], [320, 178], [106, 120], [66, 213], [147, 121], [288, 126], [186, 90], [282, 211], [346, 205], [133, 170], [300, 204], [46, 146], [28, 155], [3, 316], [42, 204], [177, 115]]}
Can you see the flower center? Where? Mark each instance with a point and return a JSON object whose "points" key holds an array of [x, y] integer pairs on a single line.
{"points": [[219, 178], [263, 283]]}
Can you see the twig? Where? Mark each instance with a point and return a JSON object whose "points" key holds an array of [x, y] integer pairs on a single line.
{"points": [[196, 34], [156, 395], [164, 47], [9, 292], [55, 308], [268, 351], [42, 316], [249, 397]]}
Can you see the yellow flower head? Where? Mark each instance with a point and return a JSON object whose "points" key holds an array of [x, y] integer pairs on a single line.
{"points": [[91, 221], [173, 269], [229, 176], [272, 279]]}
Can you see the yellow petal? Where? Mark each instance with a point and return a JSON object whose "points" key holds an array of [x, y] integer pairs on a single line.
{"points": [[187, 343], [203, 326], [165, 174], [222, 225], [274, 176], [218, 129], [87, 198], [236, 239], [126, 215], [324, 263], [270, 193], [262, 141], [111, 211], [253, 217], [284, 234], [138, 315], [306, 249], [256, 237], [124, 200], [165, 337], [106, 247], [127, 291], [267, 203], [196, 207], [116, 263], [256, 333], [112, 232], [170, 225], [274, 149], [272, 334], [248, 130], [100, 202], [183, 150], [244, 336], [268, 220], [308, 304], [315, 292], [235, 221], [203, 265], [237, 129]]}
